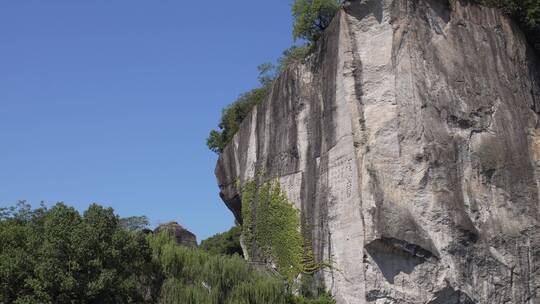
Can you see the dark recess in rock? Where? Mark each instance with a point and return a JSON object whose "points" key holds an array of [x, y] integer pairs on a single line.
{"points": [[451, 296], [393, 256]]}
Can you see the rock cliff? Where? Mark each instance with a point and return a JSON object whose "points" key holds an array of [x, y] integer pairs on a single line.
{"points": [[410, 141], [182, 236]]}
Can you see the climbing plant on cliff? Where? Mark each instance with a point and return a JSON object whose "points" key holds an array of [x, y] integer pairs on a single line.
{"points": [[272, 225]]}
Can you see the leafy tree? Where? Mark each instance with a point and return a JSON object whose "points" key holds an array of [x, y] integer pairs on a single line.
{"points": [[312, 17], [59, 256], [226, 243], [216, 141], [134, 223], [233, 115], [525, 11], [194, 276], [292, 55], [267, 73]]}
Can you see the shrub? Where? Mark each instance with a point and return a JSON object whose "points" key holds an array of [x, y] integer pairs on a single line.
{"points": [[323, 299], [195, 276], [59, 256], [292, 55], [233, 115], [226, 243], [527, 12]]}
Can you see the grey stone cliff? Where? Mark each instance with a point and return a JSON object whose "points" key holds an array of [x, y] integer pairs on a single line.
{"points": [[410, 141]]}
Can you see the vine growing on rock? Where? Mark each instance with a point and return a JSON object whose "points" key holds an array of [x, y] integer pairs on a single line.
{"points": [[272, 224]]}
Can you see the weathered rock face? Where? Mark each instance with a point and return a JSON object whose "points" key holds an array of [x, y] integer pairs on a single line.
{"points": [[183, 236], [410, 141]]}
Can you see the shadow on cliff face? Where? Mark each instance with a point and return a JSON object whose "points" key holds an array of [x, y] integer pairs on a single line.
{"points": [[449, 295], [361, 10], [393, 256]]}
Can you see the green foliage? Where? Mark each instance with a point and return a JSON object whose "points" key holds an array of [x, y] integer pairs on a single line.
{"points": [[323, 299], [312, 290], [277, 230], [267, 74], [292, 55], [196, 276], [233, 115], [134, 223], [216, 141], [59, 256], [249, 192], [527, 12], [272, 224], [226, 243], [312, 17]]}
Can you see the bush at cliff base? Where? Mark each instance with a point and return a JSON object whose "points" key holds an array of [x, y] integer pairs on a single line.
{"points": [[57, 255]]}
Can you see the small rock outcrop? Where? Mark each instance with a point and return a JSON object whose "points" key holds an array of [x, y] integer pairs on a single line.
{"points": [[410, 142], [183, 236]]}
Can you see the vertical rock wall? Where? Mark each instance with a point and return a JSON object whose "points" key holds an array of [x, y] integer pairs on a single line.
{"points": [[410, 141]]}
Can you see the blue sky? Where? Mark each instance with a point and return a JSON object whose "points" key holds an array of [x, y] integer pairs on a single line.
{"points": [[111, 101]]}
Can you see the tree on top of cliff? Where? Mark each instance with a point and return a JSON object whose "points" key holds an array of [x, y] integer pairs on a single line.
{"points": [[525, 12], [233, 115], [312, 17]]}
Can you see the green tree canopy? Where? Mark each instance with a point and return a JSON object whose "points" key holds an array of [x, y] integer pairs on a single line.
{"points": [[226, 243], [194, 276], [58, 256], [526, 13], [134, 223], [312, 17]]}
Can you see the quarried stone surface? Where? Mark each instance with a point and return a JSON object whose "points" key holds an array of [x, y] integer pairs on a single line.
{"points": [[410, 141]]}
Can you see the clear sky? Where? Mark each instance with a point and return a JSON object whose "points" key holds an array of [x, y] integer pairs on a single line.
{"points": [[111, 101]]}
